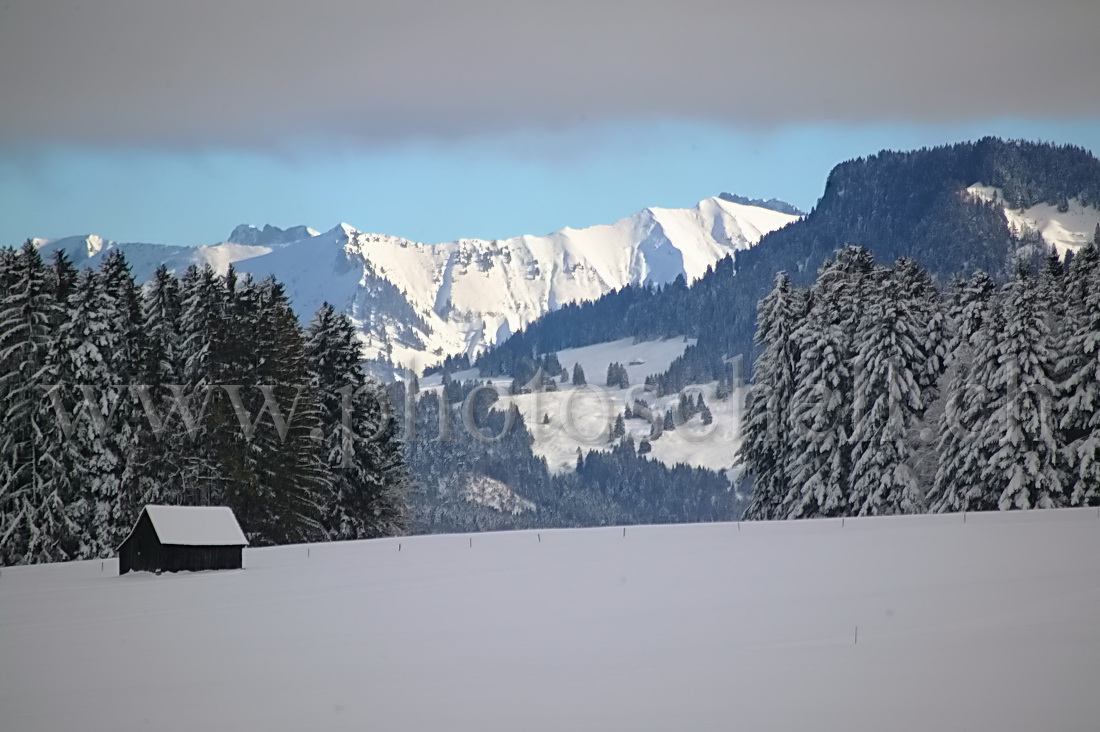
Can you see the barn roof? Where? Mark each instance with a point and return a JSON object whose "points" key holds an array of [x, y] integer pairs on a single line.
{"points": [[196, 525]]}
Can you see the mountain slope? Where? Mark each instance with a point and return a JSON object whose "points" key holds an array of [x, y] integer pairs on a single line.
{"points": [[935, 205], [416, 303]]}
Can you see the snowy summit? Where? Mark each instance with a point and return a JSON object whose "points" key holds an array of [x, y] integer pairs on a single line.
{"points": [[417, 303]]}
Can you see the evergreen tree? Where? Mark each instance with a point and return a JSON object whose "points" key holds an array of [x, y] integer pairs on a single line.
{"points": [[124, 349], [161, 310], [764, 444], [62, 276], [92, 454], [578, 375], [1078, 405], [668, 424], [367, 492], [1026, 468], [201, 329], [617, 377], [164, 437], [35, 525], [975, 317], [819, 470], [890, 366], [276, 464], [821, 411]]}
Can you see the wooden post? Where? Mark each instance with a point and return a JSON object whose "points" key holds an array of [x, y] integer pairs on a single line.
{"points": [[624, 532], [471, 542], [398, 546], [540, 538], [307, 552], [964, 517], [101, 566], [857, 636], [842, 522]]}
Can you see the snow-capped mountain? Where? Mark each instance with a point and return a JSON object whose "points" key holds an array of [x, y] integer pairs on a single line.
{"points": [[417, 303]]}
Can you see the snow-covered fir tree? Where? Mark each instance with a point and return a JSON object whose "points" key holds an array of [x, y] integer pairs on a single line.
{"points": [[369, 480], [890, 366], [201, 330], [35, 525], [1026, 467], [1078, 403], [85, 343], [820, 461], [975, 317], [764, 447], [578, 375], [163, 439]]}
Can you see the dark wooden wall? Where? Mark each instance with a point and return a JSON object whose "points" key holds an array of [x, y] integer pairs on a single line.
{"points": [[143, 551]]}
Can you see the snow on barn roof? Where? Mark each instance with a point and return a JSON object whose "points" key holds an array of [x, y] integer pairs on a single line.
{"points": [[196, 525]]}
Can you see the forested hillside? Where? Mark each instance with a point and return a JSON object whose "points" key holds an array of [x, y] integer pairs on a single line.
{"points": [[475, 471]]}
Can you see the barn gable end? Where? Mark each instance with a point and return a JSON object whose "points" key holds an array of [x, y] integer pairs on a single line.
{"points": [[178, 538]]}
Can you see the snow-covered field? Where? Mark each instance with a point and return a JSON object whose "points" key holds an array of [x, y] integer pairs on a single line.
{"points": [[991, 624]]}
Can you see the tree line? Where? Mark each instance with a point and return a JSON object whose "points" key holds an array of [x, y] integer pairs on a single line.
{"points": [[876, 393], [202, 389]]}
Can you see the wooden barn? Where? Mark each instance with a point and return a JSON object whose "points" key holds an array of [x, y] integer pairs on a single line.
{"points": [[178, 538]]}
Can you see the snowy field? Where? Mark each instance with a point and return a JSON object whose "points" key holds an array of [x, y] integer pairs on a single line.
{"points": [[991, 624]]}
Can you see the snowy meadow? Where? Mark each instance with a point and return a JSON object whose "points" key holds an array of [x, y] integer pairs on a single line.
{"points": [[983, 621]]}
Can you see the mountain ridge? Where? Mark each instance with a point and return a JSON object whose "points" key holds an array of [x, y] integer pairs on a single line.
{"points": [[415, 304]]}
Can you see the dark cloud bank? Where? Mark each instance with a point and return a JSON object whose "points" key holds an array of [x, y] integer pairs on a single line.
{"points": [[152, 71]]}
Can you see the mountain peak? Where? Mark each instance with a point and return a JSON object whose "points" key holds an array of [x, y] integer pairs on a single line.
{"points": [[248, 234], [772, 204], [343, 230]]}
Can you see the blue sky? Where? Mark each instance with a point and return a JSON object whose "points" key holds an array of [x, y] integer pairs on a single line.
{"points": [[432, 120], [521, 183]]}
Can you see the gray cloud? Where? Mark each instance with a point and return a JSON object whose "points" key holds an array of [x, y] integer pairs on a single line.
{"points": [[240, 71]]}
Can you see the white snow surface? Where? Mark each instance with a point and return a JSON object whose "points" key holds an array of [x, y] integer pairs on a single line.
{"points": [[1068, 231], [486, 491], [469, 293], [196, 525], [991, 624], [581, 418]]}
